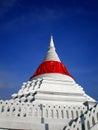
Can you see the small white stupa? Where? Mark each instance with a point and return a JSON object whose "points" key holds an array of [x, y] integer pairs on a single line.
{"points": [[50, 100]]}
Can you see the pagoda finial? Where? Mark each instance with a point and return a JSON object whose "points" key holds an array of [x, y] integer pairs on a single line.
{"points": [[51, 41], [51, 53]]}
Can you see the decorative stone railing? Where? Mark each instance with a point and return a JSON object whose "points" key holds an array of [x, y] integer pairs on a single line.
{"points": [[17, 109], [85, 121]]}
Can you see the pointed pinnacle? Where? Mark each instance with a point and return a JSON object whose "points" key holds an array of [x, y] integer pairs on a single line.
{"points": [[51, 53], [51, 42]]}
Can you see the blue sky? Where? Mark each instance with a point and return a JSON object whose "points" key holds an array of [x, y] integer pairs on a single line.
{"points": [[25, 29]]}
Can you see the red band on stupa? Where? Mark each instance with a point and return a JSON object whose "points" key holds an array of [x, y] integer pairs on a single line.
{"points": [[51, 67]]}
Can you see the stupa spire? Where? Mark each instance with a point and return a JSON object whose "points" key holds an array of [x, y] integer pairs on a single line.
{"points": [[51, 63], [51, 53], [51, 42]]}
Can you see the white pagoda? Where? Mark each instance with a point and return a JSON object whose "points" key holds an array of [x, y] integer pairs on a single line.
{"points": [[50, 100]]}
